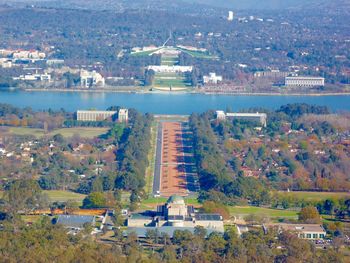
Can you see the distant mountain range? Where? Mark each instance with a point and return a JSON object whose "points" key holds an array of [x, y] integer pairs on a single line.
{"points": [[186, 4]]}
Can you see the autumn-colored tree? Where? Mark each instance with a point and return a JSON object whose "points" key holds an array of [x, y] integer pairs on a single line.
{"points": [[310, 215]]}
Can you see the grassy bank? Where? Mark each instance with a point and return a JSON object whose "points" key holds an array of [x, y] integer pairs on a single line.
{"points": [[242, 211]]}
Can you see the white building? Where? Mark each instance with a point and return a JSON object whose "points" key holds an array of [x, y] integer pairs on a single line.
{"points": [[34, 77], [212, 78], [123, 115], [94, 115], [259, 117], [304, 81], [91, 78], [230, 16], [5, 63], [170, 69], [304, 231], [28, 54]]}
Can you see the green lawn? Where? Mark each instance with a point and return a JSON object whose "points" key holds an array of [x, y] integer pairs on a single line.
{"points": [[198, 54], [315, 196], [64, 196], [86, 132], [144, 53], [252, 210], [162, 200]]}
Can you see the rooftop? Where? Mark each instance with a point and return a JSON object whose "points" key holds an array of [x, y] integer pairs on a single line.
{"points": [[176, 199], [74, 220]]}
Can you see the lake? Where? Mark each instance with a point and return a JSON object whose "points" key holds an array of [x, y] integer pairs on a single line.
{"points": [[162, 103]]}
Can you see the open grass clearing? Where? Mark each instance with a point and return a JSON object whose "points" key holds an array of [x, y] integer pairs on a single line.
{"points": [[243, 211], [85, 132], [315, 196], [64, 196], [31, 218]]}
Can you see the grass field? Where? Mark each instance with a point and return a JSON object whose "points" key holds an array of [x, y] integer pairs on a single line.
{"points": [[198, 54], [144, 53], [272, 213], [151, 160], [178, 82], [314, 196], [64, 196], [169, 61], [86, 132]]}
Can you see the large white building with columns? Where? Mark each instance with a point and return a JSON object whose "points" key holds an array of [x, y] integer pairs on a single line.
{"points": [[304, 81]]}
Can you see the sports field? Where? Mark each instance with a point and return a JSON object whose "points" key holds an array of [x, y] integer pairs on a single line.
{"points": [[85, 132]]}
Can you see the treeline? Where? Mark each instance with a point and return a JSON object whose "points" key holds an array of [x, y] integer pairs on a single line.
{"points": [[39, 243], [27, 117], [133, 154]]}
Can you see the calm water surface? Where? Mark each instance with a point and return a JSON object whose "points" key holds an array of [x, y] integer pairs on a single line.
{"points": [[162, 103]]}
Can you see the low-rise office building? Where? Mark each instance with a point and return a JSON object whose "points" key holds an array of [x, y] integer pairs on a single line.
{"points": [[258, 117], [95, 115], [212, 78], [304, 231], [304, 81], [91, 78], [89, 115]]}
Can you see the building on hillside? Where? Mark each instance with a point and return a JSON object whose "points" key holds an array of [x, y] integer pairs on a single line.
{"points": [[34, 77], [90, 115], [275, 74], [5, 63], [212, 78], [123, 115], [174, 215], [90, 79], [304, 81], [230, 16], [28, 54], [220, 115], [54, 62], [259, 117], [304, 231], [170, 69]]}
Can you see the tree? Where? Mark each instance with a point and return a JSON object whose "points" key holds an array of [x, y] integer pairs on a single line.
{"points": [[25, 195], [94, 200], [309, 214]]}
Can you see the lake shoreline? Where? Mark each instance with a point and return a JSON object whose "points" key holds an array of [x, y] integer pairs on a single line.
{"points": [[186, 92]]}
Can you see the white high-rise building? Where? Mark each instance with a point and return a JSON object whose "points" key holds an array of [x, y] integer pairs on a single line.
{"points": [[230, 16]]}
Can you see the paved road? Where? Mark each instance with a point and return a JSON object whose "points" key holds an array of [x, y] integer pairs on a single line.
{"points": [[158, 161]]}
